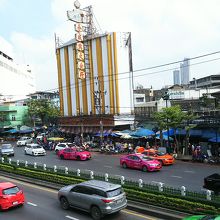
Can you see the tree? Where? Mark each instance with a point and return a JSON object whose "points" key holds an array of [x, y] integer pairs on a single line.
{"points": [[188, 118], [171, 117], [43, 109], [161, 120]]}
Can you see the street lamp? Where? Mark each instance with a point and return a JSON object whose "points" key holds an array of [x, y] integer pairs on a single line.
{"points": [[166, 97]]}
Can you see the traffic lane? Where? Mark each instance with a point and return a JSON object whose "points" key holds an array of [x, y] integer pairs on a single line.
{"points": [[42, 203], [181, 173]]}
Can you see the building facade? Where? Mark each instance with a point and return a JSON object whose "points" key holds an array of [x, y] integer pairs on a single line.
{"points": [[13, 115], [184, 71], [16, 80], [176, 77], [206, 82], [104, 92]]}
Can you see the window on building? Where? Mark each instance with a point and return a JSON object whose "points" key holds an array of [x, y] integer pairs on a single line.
{"points": [[13, 118], [140, 99]]}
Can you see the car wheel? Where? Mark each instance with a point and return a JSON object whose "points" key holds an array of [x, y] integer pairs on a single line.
{"points": [[25, 152], [61, 157], [78, 158], [64, 203], [124, 165], [96, 213], [32, 153], [144, 169], [56, 151]]}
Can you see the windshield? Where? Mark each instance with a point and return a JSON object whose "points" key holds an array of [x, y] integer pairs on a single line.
{"points": [[23, 138], [6, 146], [79, 150], [71, 145], [11, 191], [145, 158], [37, 147], [159, 153], [114, 192]]}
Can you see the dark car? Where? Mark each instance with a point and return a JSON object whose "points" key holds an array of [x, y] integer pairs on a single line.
{"points": [[212, 182]]}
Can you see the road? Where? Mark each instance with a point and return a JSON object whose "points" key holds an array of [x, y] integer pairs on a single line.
{"points": [[42, 204], [180, 174]]}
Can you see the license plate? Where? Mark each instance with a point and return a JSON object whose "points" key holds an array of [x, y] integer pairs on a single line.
{"points": [[119, 201], [15, 203]]}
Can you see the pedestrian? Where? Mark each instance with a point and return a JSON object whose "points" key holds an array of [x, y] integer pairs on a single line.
{"points": [[147, 145], [190, 149]]}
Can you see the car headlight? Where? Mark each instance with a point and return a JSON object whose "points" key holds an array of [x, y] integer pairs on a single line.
{"points": [[153, 165]]}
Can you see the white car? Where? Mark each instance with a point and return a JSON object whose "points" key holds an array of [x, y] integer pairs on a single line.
{"points": [[61, 146], [35, 150], [40, 136], [23, 141]]}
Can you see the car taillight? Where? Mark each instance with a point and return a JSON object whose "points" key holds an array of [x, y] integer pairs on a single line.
{"points": [[107, 200], [3, 197]]}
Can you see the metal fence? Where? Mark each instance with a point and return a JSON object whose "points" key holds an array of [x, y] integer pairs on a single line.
{"points": [[205, 195]]}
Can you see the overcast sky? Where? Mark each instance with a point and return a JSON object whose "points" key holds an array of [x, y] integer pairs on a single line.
{"points": [[163, 31]]}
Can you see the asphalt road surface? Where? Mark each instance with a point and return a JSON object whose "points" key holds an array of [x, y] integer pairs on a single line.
{"points": [[42, 204], [186, 174]]}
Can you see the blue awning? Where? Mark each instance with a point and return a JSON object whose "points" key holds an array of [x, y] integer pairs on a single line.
{"points": [[214, 140], [165, 137], [26, 131], [142, 132], [11, 131], [191, 132]]}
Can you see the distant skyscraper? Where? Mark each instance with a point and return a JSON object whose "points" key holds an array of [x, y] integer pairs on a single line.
{"points": [[176, 77], [184, 71]]}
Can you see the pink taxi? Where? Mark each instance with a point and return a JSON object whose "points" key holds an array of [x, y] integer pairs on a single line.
{"points": [[74, 153], [141, 162]]}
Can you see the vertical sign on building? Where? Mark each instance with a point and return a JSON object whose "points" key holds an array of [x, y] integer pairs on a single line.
{"points": [[79, 17], [80, 51]]}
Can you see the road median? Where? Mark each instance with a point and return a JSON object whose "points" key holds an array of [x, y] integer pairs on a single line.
{"points": [[143, 198]]}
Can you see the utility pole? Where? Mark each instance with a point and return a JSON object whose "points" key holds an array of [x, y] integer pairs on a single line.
{"points": [[166, 97], [98, 104]]}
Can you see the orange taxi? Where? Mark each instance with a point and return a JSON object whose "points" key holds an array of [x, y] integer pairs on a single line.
{"points": [[164, 158]]}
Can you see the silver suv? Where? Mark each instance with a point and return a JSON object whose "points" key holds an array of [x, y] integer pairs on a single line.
{"points": [[97, 197]]}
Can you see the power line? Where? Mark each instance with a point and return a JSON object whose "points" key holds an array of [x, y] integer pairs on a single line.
{"points": [[73, 85], [140, 75]]}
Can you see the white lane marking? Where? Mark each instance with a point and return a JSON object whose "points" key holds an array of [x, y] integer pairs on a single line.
{"points": [[108, 166], [177, 177], [156, 182], [70, 217], [30, 203], [189, 171]]}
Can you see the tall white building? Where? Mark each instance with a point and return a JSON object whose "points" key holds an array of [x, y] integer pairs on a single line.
{"points": [[176, 77], [16, 81], [184, 71]]}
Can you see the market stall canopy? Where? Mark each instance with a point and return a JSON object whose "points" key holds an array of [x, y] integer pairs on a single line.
{"points": [[165, 137], [11, 131], [128, 136], [214, 139], [142, 132]]}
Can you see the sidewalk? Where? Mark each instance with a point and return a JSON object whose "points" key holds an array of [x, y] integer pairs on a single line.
{"points": [[184, 157]]}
